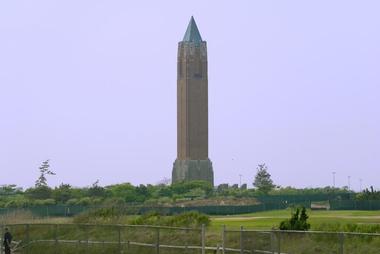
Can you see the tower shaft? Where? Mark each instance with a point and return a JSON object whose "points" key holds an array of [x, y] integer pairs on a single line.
{"points": [[192, 101]]}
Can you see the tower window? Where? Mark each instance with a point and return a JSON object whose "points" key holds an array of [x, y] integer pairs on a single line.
{"points": [[197, 75]]}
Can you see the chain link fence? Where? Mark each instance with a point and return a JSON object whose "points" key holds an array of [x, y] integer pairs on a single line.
{"points": [[102, 239], [137, 239], [299, 242], [267, 203], [355, 205], [68, 211]]}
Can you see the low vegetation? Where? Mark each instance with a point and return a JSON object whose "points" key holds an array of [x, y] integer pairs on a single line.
{"points": [[298, 221], [113, 215], [187, 219]]}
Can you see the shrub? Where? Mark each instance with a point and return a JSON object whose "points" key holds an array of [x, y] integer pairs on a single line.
{"points": [[188, 219], [41, 192], [105, 214], [112, 202], [152, 218], [63, 193], [18, 201], [44, 202], [297, 221], [86, 201], [181, 188], [164, 201], [72, 201]]}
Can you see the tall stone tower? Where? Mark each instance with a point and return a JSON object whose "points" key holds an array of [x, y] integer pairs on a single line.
{"points": [[192, 161]]}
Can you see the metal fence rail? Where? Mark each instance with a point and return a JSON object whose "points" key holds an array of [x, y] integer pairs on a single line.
{"points": [[86, 238], [299, 242], [140, 239]]}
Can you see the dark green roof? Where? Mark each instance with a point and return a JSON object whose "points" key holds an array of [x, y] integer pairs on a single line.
{"points": [[192, 33]]}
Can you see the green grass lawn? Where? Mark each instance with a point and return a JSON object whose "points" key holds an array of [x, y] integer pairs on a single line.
{"points": [[313, 243], [271, 219]]}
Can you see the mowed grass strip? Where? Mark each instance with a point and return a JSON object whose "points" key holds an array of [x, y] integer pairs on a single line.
{"points": [[272, 219]]}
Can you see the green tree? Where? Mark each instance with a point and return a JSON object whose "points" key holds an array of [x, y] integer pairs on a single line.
{"points": [[263, 181], [63, 193], [10, 189], [44, 171], [96, 190], [40, 192], [164, 191], [123, 190], [41, 189], [368, 194]]}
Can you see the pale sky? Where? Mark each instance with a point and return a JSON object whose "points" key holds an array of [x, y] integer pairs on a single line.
{"points": [[91, 85]]}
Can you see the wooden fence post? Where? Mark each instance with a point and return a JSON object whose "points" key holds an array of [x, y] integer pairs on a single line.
{"points": [[341, 243], [203, 239], [217, 249], [119, 236], [56, 238], [158, 241], [86, 229], [27, 238], [278, 242], [186, 240], [241, 240], [224, 239], [272, 242], [2, 240]]}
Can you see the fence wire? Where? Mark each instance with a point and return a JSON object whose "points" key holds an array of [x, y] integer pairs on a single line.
{"points": [[299, 242], [105, 239], [266, 204]]}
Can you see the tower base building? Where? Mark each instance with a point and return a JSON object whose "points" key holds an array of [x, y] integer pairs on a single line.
{"points": [[191, 170]]}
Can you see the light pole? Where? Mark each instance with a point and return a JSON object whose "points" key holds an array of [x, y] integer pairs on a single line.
{"points": [[240, 179], [349, 182], [334, 179], [360, 180]]}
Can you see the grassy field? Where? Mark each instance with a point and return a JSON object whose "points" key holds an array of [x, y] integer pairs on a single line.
{"points": [[299, 243], [271, 219], [261, 220]]}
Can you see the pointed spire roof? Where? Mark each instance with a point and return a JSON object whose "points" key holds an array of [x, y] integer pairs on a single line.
{"points": [[192, 33]]}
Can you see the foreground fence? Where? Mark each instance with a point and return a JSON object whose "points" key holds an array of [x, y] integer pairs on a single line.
{"points": [[80, 238], [299, 242], [136, 239]]}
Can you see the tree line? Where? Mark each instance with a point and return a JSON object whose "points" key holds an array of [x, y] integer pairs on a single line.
{"points": [[159, 194]]}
